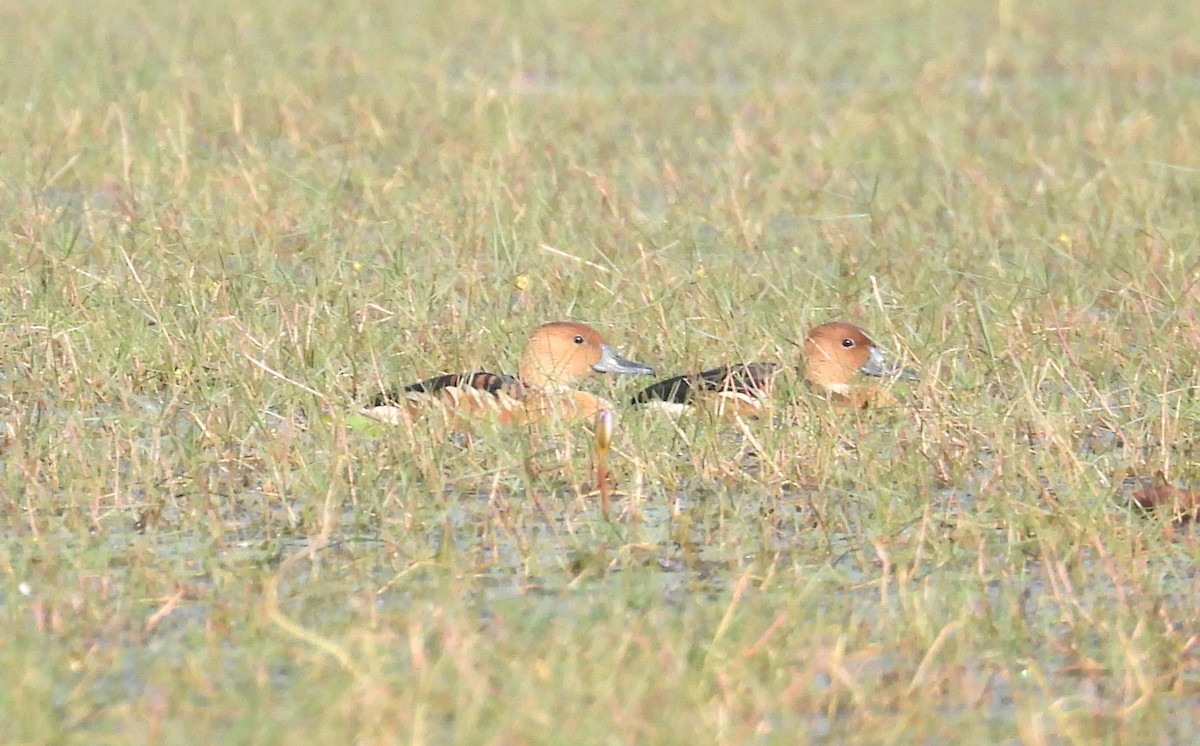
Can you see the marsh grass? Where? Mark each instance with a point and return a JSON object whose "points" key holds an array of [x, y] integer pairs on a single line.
{"points": [[230, 223]]}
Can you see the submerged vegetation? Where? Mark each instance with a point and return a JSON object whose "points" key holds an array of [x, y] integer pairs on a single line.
{"points": [[229, 224]]}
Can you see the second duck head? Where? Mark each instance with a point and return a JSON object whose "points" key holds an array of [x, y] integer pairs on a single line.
{"points": [[837, 353]]}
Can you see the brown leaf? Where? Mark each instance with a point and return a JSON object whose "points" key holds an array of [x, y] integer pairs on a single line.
{"points": [[1162, 495]]}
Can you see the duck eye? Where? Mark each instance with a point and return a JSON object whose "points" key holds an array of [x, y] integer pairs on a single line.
{"points": [[847, 343], [578, 339]]}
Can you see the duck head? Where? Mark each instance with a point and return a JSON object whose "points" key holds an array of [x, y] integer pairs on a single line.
{"points": [[562, 353], [837, 353]]}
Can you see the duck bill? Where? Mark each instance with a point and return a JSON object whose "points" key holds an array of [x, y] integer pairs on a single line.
{"points": [[611, 362], [880, 367]]}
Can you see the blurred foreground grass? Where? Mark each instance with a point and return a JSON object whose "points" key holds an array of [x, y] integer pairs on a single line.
{"points": [[228, 222]]}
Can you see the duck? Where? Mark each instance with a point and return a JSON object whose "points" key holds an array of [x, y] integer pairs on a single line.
{"points": [[836, 356], [557, 357]]}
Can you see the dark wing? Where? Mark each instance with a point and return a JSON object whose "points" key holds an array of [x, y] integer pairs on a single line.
{"points": [[748, 378], [492, 383]]}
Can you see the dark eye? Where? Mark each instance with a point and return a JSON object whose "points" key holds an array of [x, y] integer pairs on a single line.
{"points": [[847, 343], [578, 339]]}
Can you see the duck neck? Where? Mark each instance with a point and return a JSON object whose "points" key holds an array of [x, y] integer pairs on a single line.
{"points": [[537, 374]]}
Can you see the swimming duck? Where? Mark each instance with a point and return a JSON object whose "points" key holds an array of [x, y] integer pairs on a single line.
{"points": [[557, 356], [836, 355]]}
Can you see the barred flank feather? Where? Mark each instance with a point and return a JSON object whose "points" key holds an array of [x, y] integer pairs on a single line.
{"points": [[751, 378], [492, 383]]}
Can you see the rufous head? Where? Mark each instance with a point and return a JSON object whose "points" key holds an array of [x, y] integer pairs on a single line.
{"points": [[562, 353], [836, 353]]}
